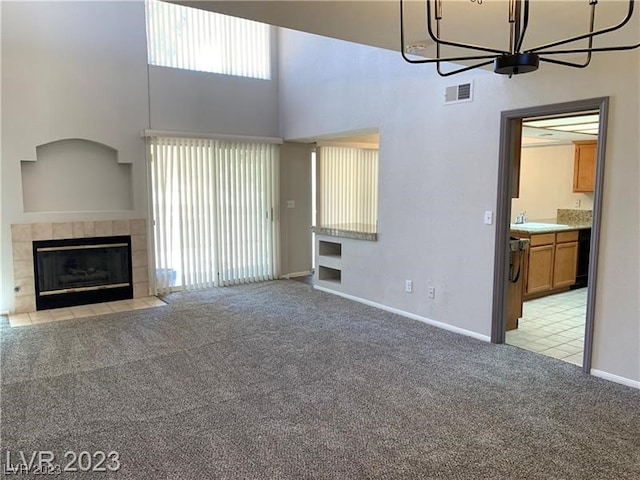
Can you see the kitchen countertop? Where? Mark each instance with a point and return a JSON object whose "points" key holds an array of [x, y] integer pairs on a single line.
{"points": [[553, 228]]}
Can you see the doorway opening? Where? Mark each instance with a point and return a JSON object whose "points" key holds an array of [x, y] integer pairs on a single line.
{"points": [[547, 235]]}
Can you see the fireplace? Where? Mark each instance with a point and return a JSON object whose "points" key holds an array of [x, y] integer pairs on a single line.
{"points": [[81, 271]]}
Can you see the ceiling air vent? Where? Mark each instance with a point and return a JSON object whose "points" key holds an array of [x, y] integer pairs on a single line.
{"points": [[458, 93]]}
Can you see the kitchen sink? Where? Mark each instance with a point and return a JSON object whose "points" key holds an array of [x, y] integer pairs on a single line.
{"points": [[535, 226]]}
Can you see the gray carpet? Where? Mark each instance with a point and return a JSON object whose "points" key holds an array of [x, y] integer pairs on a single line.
{"points": [[278, 381]]}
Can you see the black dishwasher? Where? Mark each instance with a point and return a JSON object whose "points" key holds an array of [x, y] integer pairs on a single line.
{"points": [[584, 245]]}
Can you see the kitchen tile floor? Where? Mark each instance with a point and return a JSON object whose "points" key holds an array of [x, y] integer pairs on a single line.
{"points": [[553, 326], [82, 311]]}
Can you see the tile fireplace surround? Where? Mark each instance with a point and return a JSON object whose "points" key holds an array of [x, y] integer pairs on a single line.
{"points": [[23, 235]]}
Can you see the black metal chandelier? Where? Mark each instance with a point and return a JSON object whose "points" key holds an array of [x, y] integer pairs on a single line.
{"points": [[513, 61]]}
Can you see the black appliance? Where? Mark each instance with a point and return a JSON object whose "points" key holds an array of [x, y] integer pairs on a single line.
{"points": [[584, 246]]}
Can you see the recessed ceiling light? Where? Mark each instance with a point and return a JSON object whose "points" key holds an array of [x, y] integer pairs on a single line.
{"points": [[578, 127], [555, 122]]}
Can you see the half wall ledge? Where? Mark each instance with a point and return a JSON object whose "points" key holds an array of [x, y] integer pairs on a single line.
{"points": [[354, 231]]}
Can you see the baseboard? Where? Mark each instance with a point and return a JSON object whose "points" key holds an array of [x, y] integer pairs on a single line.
{"points": [[615, 378], [412, 316], [296, 274]]}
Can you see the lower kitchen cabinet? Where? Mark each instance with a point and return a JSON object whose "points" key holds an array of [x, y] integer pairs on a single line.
{"points": [[540, 274], [551, 264], [565, 263]]}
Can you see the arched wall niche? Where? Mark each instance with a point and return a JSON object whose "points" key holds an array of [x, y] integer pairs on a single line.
{"points": [[76, 175]]}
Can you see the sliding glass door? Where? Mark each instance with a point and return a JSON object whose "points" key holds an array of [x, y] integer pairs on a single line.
{"points": [[215, 212]]}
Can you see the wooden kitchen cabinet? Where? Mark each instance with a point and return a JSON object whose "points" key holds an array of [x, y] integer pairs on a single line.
{"points": [[584, 166], [566, 259], [551, 264], [540, 269]]}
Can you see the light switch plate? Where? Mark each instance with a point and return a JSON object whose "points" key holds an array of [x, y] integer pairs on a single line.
{"points": [[488, 217], [291, 204]]}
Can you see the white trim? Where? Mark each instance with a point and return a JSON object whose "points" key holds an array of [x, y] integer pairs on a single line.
{"points": [[296, 274], [615, 378], [413, 316], [147, 133]]}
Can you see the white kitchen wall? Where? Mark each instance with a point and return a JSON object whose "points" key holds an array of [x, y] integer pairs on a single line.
{"points": [[546, 183], [438, 174]]}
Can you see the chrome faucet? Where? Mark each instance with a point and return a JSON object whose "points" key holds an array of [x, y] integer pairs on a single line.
{"points": [[521, 217]]}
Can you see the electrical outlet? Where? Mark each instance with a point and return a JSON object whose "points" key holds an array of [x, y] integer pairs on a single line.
{"points": [[432, 292], [408, 286], [578, 203]]}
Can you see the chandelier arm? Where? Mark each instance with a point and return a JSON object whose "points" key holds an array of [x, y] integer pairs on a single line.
{"points": [[447, 59], [432, 60], [588, 49], [592, 23], [438, 40], [525, 24], [460, 70], [587, 35], [566, 64], [620, 48]]}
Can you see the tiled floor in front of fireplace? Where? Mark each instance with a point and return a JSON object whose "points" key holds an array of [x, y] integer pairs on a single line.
{"points": [[82, 311]]}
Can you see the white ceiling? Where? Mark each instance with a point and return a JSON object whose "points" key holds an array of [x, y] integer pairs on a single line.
{"points": [[540, 137]]}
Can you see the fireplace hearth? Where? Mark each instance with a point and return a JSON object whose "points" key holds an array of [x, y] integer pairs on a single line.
{"points": [[82, 271]]}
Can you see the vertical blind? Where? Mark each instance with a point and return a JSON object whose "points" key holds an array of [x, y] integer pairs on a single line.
{"points": [[215, 212], [348, 188], [195, 39]]}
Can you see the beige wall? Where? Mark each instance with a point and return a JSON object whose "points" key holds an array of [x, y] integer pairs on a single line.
{"points": [[546, 183], [295, 218]]}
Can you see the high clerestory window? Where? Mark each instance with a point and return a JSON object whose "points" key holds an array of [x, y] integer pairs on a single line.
{"points": [[194, 39]]}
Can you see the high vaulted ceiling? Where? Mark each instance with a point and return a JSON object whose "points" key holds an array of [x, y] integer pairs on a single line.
{"points": [[376, 22], [480, 22]]}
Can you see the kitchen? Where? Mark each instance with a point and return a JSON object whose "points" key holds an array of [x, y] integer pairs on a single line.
{"points": [[551, 217]]}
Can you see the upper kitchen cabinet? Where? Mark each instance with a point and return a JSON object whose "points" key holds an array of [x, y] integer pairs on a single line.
{"points": [[584, 166]]}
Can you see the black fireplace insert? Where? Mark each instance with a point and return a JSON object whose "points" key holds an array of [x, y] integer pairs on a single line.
{"points": [[81, 271]]}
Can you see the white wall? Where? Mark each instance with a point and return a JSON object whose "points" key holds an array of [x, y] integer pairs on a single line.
{"points": [[546, 183], [438, 173]]}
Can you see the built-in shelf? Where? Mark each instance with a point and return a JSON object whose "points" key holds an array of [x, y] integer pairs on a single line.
{"points": [[329, 274], [330, 249]]}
